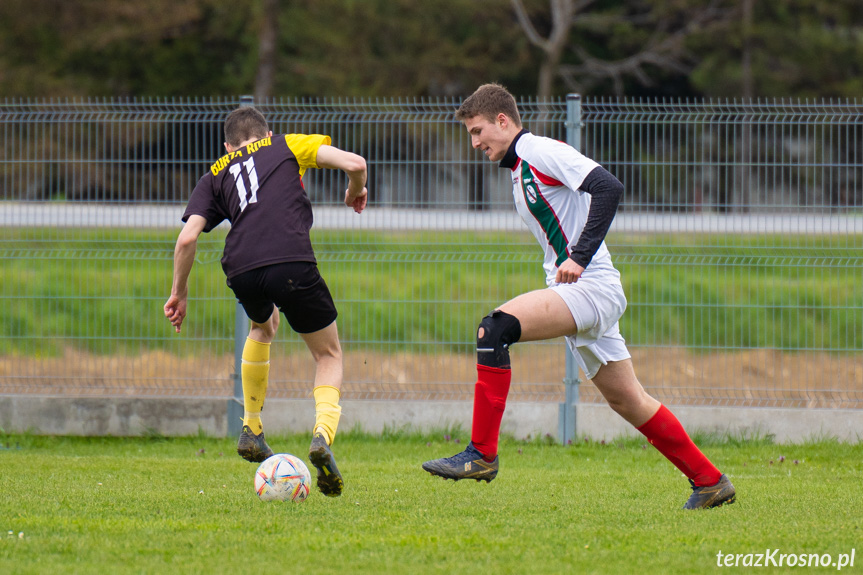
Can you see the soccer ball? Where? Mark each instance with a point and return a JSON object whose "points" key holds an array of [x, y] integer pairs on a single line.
{"points": [[283, 477]]}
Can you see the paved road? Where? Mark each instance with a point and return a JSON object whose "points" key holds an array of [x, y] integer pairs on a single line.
{"points": [[13, 214]]}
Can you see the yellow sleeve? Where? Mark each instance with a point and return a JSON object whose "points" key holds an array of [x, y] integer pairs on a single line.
{"points": [[305, 148]]}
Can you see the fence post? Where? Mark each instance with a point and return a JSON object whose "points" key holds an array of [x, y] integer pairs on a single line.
{"points": [[566, 421], [241, 330]]}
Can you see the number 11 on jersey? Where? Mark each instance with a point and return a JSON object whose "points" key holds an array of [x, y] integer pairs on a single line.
{"points": [[237, 172]]}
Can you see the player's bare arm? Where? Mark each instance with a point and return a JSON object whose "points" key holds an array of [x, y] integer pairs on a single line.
{"points": [[184, 258], [356, 196]]}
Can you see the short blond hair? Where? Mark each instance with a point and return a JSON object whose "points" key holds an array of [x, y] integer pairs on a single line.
{"points": [[488, 101]]}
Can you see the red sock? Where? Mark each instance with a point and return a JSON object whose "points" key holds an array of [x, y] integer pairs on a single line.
{"points": [[489, 402], [666, 434]]}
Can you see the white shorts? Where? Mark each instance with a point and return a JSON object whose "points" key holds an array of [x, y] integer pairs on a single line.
{"points": [[596, 308]]}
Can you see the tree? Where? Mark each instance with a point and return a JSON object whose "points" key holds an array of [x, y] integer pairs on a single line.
{"points": [[267, 50], [401, 48], [120, 48], [621, 40], [561, 13], [802, 48]]}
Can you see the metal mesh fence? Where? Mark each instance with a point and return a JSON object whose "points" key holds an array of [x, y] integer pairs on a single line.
{"points": [[739, 243], [749, 215]]}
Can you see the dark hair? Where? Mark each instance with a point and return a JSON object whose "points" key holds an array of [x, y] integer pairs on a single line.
{"points": [[488, 101], [246, 123]]}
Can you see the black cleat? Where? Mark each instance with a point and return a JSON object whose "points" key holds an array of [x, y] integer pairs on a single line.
{"points": [[330, 481], [468, 464], [709, 496], [253, 447]]}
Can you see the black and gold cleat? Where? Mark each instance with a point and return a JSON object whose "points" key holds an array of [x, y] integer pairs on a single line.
{"points": [[330, 481], [253, 447], [469, 464], [709, 496]]}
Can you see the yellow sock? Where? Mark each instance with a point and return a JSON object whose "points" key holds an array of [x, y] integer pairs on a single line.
{"points": [[327, 411], [255, 371]]}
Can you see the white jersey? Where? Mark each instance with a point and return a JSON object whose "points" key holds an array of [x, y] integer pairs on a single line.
{"points": [[545, 186]]}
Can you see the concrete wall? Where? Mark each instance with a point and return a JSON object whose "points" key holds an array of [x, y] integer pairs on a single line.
{"points": [[134, 416]]}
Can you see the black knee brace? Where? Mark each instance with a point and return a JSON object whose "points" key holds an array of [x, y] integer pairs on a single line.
{"points": [[497, 331]]}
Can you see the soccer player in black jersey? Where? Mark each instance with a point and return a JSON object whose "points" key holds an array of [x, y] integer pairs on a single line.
{"points": [[270, 265]]}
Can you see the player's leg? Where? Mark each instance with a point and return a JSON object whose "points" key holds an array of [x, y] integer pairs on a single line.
{"points": [[533, 316], [327, 353], [255, 360], [305, 299], [256, 370], [542, 314], [621, 389], [617, 382], [252, 445]]}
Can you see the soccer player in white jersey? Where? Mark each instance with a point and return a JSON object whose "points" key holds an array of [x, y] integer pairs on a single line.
{"points": [[568, 201]]}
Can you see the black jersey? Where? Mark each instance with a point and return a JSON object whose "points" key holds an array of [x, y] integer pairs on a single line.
{"points": [[259, 189]]}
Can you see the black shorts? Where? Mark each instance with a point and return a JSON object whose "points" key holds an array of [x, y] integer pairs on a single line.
{"points": [[296, 288]]}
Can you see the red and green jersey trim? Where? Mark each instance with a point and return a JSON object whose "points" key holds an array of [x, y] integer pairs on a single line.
{"points": [[542, 211]]}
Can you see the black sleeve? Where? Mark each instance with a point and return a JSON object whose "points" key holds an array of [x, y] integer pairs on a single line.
{"points": [[605, 193], [203, 203]]}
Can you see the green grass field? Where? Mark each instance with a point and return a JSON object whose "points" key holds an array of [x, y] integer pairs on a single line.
{"points": [[102, 290], [157, 505]]}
